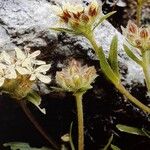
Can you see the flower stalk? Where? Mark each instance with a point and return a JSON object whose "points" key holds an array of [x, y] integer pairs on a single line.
{"points": [[78, 97], [77, 79], [24, 107], [146, 68], [112, 77], [139, 12]]}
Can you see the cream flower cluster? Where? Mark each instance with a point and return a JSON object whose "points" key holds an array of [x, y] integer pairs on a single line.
{"points": [[23, 63], [138, 37], [78, 16], [76, 78]]}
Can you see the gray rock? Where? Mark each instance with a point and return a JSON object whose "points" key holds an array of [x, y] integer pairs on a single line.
{"points": [[26, 24]]}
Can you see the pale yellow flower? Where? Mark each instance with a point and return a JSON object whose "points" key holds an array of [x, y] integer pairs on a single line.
{"points": [[39, 73], [76, 78], [79, 17]]}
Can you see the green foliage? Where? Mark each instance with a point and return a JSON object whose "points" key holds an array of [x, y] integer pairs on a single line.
{"points": [[106, 67], [35, 99], [109, 145], [103, 18], [63, 30], [71, 141], [132, 55], [133, 130], [113, 56], [114, 147], [22, 146]]}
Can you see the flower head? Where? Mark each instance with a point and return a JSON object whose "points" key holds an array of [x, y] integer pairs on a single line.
{"points": [[138, 37], [76, 78], [19, 72], [77, 16]]}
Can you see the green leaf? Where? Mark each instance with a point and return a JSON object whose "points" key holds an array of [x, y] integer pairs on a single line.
{"points": [[132, 55], [146, 132], [104, 18], [63, 30], [106, 67], [71, 141], [114, 147], [35, 99], [113, 56], [22, 146], [109, 143], [129, 129]]}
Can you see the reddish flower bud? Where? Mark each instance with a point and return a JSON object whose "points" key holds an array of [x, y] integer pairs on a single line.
{"points": [[144, 33], [132, 28]]}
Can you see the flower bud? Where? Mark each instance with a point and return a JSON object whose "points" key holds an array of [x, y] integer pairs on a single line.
{"points": [[137, 37], [144, 33]]}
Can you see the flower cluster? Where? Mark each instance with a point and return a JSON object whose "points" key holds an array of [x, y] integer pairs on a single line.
{"points": [[78, 17], [19, 72], [138, 37], [76, 78]]}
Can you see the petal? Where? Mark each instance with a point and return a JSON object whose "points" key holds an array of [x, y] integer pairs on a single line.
{"points": [[2, 66], [26, 62], [39, 62], [6, 58], [22, 70], [11, 73], [33, 77], [43, 78], [20, 54], [43, 68], [35, 54], [56, 9], [144, 33], [132, 27], [2, 81]]}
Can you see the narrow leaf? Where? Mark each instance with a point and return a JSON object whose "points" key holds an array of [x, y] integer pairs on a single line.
{"points": [[109, 143], [132, 55], [71, 141], [146, 132], [114, 147], [106, 67], [104, 18], [63, 30], [131, 130], [22, 146], [113, 56], [35, 99]]}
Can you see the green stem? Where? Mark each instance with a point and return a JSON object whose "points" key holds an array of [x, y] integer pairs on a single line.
{"points": [[117, 84], [107, 70], [78, 97], [36, 124], [139, 13], [132, 99], [146, 68]]}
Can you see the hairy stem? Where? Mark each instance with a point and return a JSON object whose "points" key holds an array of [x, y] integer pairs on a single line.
{"points": [[118, 85], [36, 124], [139, 13], [78, 97], [146, 68], [132, 99]]}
